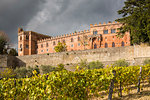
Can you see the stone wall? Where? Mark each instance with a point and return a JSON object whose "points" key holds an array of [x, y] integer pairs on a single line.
{"points": [[133, 54]]}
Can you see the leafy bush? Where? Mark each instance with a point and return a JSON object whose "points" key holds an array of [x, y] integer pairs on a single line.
{"points": [[95, 65], [7, 73], [23, 72], [47, 68], [121, 62], [60, 67], [83, 64], [146, 61]]}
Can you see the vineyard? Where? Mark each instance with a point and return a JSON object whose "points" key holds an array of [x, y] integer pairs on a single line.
{"points": [[81, 84]]}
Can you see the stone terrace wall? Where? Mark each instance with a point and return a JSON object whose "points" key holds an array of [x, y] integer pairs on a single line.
{"points": [[106, 55], [133, 54]]}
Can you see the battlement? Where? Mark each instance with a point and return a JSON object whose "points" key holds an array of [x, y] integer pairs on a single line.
{"points": [[63, 36], [104, 24]]}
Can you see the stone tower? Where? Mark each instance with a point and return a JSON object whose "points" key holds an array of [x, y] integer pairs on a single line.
{"points": [[27, 42]]}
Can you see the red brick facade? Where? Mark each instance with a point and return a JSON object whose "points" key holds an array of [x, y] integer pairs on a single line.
{"points": [[99, 36]]}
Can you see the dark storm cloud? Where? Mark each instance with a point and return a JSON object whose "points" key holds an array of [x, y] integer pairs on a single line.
{"points": [[55, 17], [71, 15], [15, 13]]}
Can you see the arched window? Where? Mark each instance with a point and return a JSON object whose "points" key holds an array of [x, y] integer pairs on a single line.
{"points": [[41, 45], [95, 46], [113, 44], [46, 44], [95, 32], [71, 39], [20, 37], [63, 41], [106, 45], [78, 38], [122, 43], [54, 43], [27, 37]]}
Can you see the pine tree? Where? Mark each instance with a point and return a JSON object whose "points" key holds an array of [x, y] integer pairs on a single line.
{"points": [[136, 20]]}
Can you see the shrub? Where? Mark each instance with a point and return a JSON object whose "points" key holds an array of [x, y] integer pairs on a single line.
{"points": [[60, 67], [47, 68], [83, 64], [7, 73], [146, 61], [121, 62], [95, 65], [21, 72]]}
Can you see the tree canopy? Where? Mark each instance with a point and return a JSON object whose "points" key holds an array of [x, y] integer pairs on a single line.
{"points": [[136, 20], [3, 42], [60, 47]]}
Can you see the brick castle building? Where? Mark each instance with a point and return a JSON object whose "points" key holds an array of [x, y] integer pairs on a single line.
{"points": [[99, 36]]}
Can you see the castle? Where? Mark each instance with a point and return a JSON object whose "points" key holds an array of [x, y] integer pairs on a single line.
{"points": [[99, 36]]}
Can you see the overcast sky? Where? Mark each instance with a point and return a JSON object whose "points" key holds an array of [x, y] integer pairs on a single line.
{"points": [[55, 17]]}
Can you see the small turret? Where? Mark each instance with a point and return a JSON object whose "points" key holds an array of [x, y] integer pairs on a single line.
{"points": [[20, 30]]}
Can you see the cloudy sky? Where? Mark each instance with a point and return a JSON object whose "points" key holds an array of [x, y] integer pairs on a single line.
{"points": [[55, 17]]}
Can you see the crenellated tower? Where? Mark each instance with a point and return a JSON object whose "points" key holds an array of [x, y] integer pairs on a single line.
{"points": [[27, 42]]}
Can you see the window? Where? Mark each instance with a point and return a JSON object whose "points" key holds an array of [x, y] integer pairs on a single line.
{"points": [[63, 41], [47, 50], [94, 32], [58, 41], [41, 45], [78, 38], [105, 31], [122, 43], [27, 46], [42, 50], [71, 39], [113, 44], [113, 30], [78, 44], [20, 37], [95, 46], [72, 45], [106, 45], [27, 37], [20, 45], [54, 43], [46, 44]]}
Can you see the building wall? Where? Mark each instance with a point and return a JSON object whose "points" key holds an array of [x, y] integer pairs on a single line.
{"points": [[133, 54], [46, 44]]}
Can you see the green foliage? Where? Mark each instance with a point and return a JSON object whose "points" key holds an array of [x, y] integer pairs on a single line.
{"points": [[23, 72], [7, 73], [13, 52], [60, 67], [3, 43], [136, 20], [60, 47], [66, 85], [95, 65], [47, 68], [83, 64], [146, 61], [120, 63]]}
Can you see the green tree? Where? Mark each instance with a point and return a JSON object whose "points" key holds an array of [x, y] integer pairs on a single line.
{"points": [[60, 47], [121, 63], [3, 42], [13, 52], [95, 65], [136, 20]]}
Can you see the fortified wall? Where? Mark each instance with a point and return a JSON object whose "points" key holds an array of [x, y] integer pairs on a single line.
{"points": [[135, 55]]}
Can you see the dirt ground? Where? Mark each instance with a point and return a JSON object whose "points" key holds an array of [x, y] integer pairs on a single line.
{"points": [[133, 95]]}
